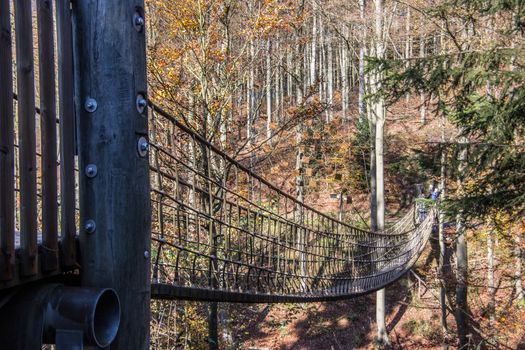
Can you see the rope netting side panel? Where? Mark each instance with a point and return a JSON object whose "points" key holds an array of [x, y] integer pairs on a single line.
{"points": [[222, 233]]}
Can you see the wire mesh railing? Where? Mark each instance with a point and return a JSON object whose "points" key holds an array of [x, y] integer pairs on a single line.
{"points": [[221, 232]]}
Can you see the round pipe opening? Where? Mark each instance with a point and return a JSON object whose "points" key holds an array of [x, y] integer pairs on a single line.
{"points": [[106, 318]]}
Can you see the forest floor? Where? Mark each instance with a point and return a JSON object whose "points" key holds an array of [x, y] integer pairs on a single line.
{"points": [[412, 320]]}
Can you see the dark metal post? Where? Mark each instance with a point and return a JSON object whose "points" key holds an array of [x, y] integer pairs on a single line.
{"points": [[49, 248], [67, 140], [115, 217], [7, 158], [26, 137]]}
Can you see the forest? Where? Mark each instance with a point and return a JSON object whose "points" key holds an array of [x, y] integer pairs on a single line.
{"points": [[262, 174], [360, 109]]}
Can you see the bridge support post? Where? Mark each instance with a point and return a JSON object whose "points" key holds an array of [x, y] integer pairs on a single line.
{"points": [[112, 125]]}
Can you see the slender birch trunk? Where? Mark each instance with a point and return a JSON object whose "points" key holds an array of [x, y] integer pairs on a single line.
{"points": [[289, 76], [379, 111], [330, 82], [321, 66], [408, 45], [423, 108], [337, 67], [362, 82], [278, 85], [251, 96], [442, 246], [268, 89], [344, 80], [313, 56]]}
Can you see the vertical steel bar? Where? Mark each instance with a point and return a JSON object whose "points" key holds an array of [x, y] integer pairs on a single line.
{"points": [[48, 129], [67, 133], [7, 176], [27, 137]]}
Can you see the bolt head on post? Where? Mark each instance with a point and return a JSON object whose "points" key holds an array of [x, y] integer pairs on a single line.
{"points": [[90, 226], [142, 103], [143, 147], [90, 105], [91, 170], [138, 22]]}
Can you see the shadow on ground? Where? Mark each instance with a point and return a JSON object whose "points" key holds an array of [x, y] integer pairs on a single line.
{"points": [[338, 325]]}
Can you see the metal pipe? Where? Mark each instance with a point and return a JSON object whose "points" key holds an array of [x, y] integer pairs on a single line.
{"points": [[94, 312], [55, 314]]}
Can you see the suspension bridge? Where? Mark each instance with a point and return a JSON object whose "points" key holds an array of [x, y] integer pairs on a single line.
{"points": [[222, 233], [125, 202]]}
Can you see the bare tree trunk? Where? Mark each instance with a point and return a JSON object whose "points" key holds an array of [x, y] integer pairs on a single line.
{"points": [[423, 108], [443, 196], [192, 151], [321, 70], [490, 276], [251, 97], [344, 80], [408, 45], [337, 67], [248, 110], [213, 332], [518, 253], [353, 72], [278, 86], [382, 335], [362, 82], [299, 168], [313, 56], [305, 66], [227, 336], [442, 246], [379, 110], [269, 89], [373, 178], [330, 82], [461, 260], [289, 81], [341, 215]]}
